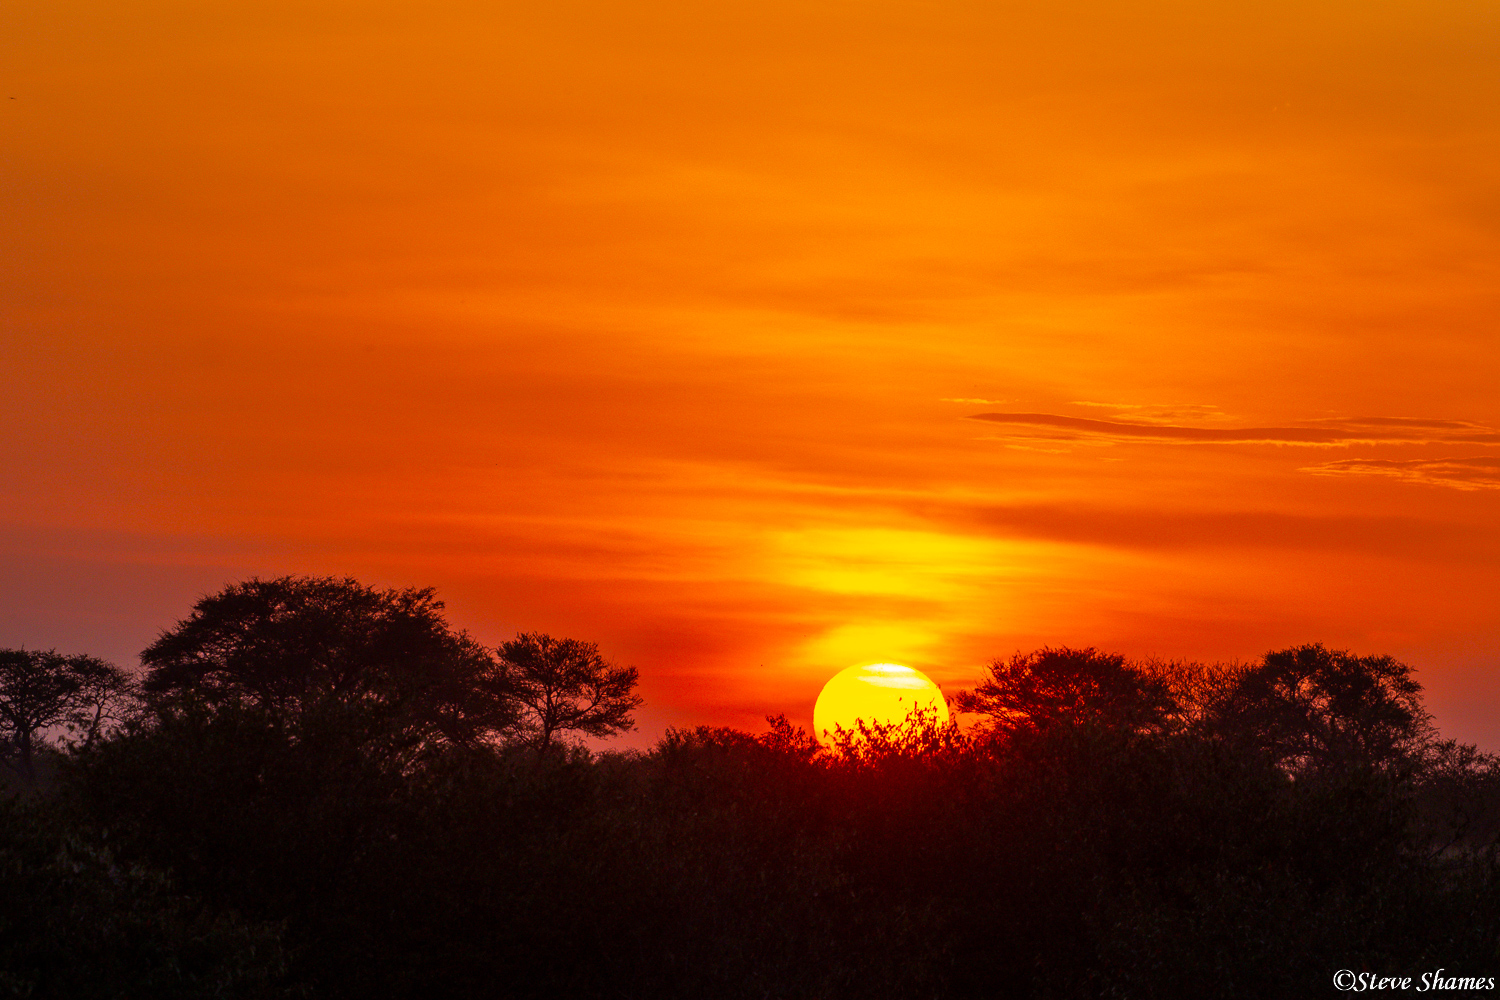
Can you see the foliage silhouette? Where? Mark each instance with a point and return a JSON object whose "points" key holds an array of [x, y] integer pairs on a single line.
{"points": [[1112, 829], [77, 923]]}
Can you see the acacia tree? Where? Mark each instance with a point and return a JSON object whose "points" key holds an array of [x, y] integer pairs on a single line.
{"points": [[106, 696], [1033, 692], [566, 685], [1310, 707], [303, 648], [43, 689]]}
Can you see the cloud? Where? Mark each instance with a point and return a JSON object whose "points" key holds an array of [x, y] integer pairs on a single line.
{"points": [[1333, 433], [1456, 473]]}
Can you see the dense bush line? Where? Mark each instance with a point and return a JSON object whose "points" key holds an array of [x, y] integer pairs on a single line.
{"points": [[1101, 828]]}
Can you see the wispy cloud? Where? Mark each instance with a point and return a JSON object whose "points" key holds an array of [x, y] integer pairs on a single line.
{"points": [[1332, 433], [1457, 473]]}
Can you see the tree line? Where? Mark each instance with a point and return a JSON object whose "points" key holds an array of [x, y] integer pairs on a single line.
{"points": [[299, 653], [319, 789]]}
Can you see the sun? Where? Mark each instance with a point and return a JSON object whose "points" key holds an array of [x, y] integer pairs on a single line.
{"points": [[874, 692]]}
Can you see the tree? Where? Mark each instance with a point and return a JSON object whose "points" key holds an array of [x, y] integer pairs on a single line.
{"points": [[297, 648], [106, 695], [40, 690], [566, 685], [1310, 707], [1036, 691]]}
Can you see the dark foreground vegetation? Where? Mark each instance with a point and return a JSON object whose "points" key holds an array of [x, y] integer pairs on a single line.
{"points": [[321, 790]]}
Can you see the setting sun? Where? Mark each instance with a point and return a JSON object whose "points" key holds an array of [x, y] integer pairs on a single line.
{"points": [[874, 693]]}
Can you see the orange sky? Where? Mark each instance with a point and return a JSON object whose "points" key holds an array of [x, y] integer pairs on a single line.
{"points": [[667, 325]]}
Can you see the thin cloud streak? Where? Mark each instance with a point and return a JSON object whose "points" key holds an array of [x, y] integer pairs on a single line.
{"points": [[1454, 473], [1333, 434]]}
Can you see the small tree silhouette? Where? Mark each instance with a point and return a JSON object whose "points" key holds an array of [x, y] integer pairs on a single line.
{"points": [[39, 690], [566, 685]]}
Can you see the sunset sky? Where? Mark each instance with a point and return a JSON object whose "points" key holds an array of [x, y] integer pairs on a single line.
{"points": [[756, 340]]}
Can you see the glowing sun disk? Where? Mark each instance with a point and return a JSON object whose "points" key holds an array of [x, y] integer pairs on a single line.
{"points": [[878, 693]]}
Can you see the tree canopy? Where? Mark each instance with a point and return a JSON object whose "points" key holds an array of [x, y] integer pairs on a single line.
{"points": [[1313, 707], [1036, 691], [295, 646]]}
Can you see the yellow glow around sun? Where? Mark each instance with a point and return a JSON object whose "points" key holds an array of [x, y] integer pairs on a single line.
{"points": [[876, 693]]}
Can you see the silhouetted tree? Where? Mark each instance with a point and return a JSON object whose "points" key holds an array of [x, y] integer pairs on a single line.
{"points": [[1313, 707], [40, 690], [297, 647], [565, 685], [1039, 690], [105, 698]]}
